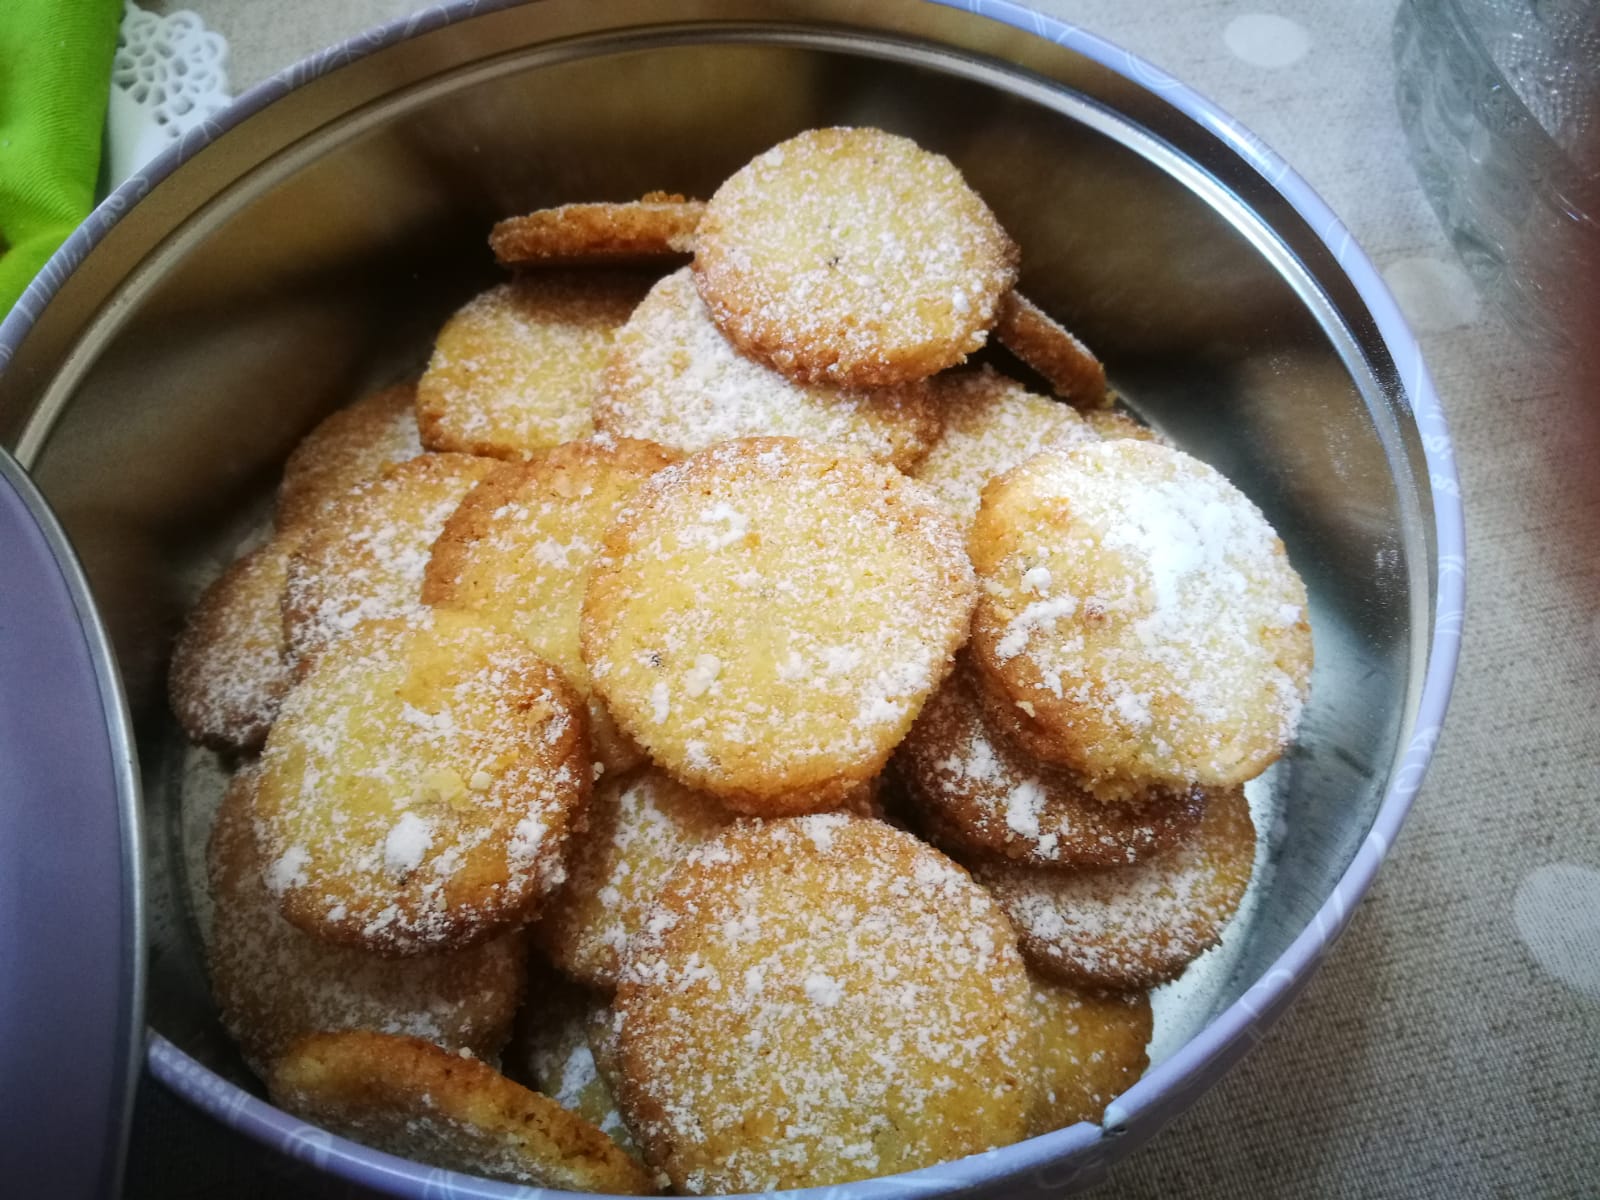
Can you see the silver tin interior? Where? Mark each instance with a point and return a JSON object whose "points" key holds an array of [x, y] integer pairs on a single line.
{"points": [[312, 250]]}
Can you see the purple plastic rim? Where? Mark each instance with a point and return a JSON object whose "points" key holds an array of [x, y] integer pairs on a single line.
{"points": [[1167, 1088]]}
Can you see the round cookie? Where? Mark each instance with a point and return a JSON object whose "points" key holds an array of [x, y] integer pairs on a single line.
{"points": [[351, 445], [419, 788], [991, 423], [516, 369], [551, 1053], [1140, 617], [770, 616], [364, 558], [230, 668], [673, 378], [407, 1097], [657, 225], [978, 794], [640, 829], [1092, 1048], [1136, 926], [517, 553], [275, 984], [818, 1000], [854, 257], [1067, 364]]}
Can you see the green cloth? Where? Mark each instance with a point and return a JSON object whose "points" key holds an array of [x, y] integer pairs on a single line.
{"points": [[55, 80]]}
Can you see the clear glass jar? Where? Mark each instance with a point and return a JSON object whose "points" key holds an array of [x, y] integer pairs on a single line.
{"points": [[1500, 100]]}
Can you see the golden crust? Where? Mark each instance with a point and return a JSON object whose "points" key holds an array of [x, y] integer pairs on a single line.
{"points": [[351, 445], [640, 829], [275, 984], [1137, 926], [674, 378], [818, 1000], [658, 225], [1141, 616], [419, 788], [517, 553], [854, 257], [770, 616], [991, 423], [1067, 364], [516, 369], [364, 558], [979, 794], [408, 1097], [230, 668], [1092, 1049]]}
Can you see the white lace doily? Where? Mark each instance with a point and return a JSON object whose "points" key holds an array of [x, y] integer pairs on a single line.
{"points": [[170, 73]]}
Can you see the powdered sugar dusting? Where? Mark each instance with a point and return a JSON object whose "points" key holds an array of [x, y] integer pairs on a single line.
{"points": [[858, 988], [673, 378]]}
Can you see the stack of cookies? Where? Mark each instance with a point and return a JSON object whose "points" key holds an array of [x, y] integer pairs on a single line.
{"points": [[708, 733]]}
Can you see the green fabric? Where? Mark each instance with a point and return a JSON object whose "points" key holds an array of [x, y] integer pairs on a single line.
{"points": [[55, 79]]}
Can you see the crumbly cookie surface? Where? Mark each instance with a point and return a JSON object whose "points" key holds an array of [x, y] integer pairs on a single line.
{"points": [[770, 616], [852, 256]]}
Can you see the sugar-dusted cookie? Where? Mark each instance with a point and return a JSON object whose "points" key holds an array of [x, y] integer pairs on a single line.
{"points": [[991, 423], [230, 667], [419, 788], [516, 369], [352, 444], [817, 1000], [674, 378], [1092, 1049], [1139, 622], [408, 1097], [364, 558], [640, 828], [518, 549], [657, 225], [770, 616], [1067, 364], [1135, 926], [275, 984], [978, 794], [852, 256]]}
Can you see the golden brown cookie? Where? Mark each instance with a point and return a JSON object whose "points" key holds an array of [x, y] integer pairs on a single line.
{"points": [[351, 445], [517, 368], [657, 225], [673, 378], [853, 257], [991, 423], [551, 1053], [817, 1000], [640, 829], [517, 553], [230, 666], [978, 794], [406, 1096], [1135, 926], [1140, 617], [1067, 364], [419, 788], [770, 616], [364, 558], [1092, 1049], [275, 984]]}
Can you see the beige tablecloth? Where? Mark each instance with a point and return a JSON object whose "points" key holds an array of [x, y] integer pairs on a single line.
{"points": [[1450, 1045]]}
